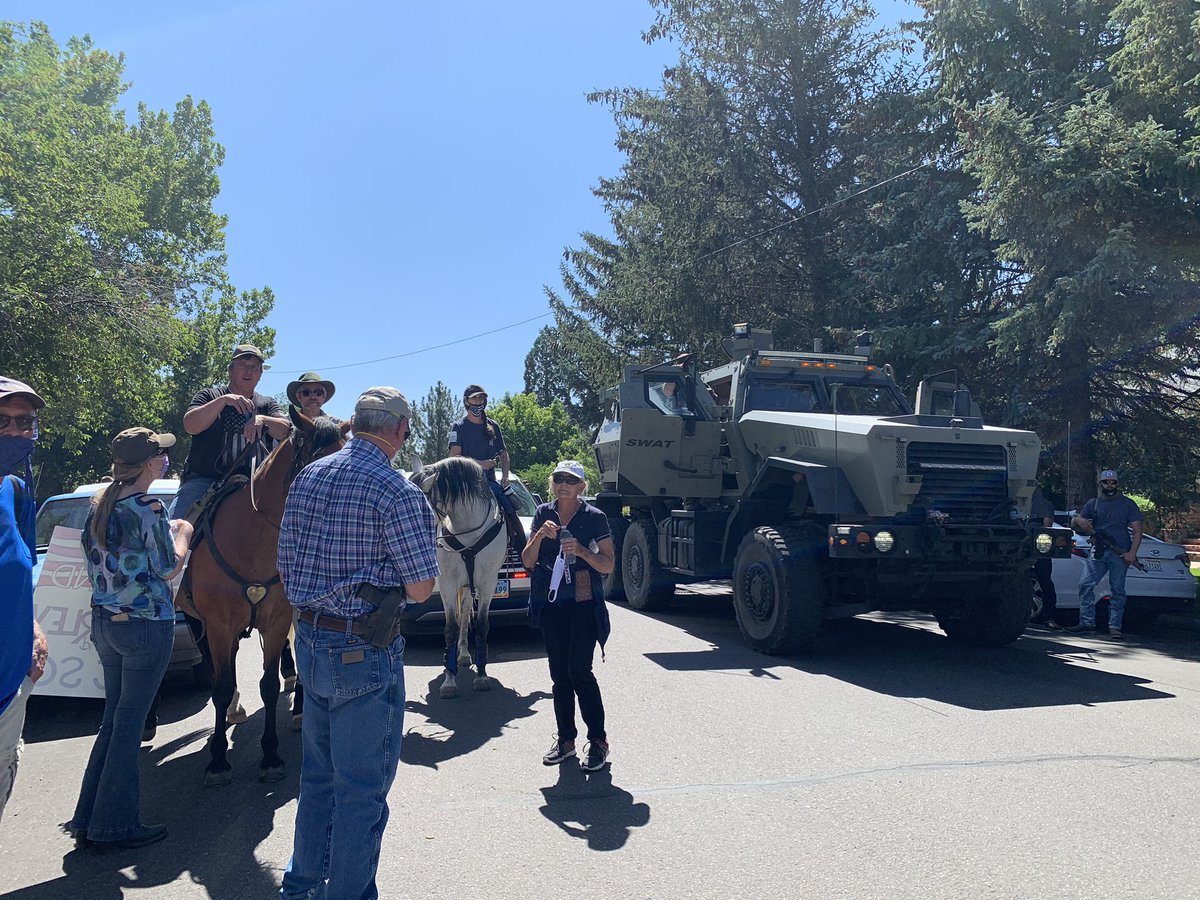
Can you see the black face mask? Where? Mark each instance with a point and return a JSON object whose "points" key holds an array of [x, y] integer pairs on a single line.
{"points": [[476, 409]]}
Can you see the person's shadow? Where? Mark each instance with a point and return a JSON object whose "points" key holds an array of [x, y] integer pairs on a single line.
{"points": [[456, 727], [591, 807]]}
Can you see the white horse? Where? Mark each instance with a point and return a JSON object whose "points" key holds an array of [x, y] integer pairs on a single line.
{"points": [[471, 546]]}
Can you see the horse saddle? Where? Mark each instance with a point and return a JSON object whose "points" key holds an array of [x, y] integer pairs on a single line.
{"points": [[201, 513]]}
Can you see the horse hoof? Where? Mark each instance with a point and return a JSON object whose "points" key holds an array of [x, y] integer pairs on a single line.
{"points": [[289, 684], [237, 715], [297, 723], [271, 773], [218, 779], [482, 683], [464, 661], [448, 691], [148, 733]]}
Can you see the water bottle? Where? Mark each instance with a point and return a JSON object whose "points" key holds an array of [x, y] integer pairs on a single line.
{"points": [[568, 558]]}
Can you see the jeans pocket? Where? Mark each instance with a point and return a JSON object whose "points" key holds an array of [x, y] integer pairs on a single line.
{"points": [[356, 670], [129, 637]]}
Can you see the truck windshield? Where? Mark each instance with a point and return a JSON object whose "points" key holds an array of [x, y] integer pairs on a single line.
{"points": [[782, 396], [868, 400], [791, 394]]}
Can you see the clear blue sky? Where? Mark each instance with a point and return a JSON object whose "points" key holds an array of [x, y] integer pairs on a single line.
{"points": [[401, 174]]}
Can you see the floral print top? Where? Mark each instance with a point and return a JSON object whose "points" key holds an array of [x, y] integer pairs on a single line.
{"points": [[127, 576]]}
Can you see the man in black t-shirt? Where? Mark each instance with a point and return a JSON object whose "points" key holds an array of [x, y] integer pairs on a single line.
{"points": [[1120, 520], [224, 418], [479, 438]]}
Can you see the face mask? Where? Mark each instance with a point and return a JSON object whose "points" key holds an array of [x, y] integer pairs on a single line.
{"points": [[476, 409], [14, 455], [166, 465]]}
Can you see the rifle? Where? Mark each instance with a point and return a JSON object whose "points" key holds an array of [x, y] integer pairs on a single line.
{"points": [[1101, 542]]}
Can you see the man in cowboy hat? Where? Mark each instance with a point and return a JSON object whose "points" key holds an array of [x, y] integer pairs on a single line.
{"points": [[23, 648], [309, 393], [223, 419]]}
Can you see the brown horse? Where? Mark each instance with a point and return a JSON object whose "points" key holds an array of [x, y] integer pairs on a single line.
{"points": [[235, 584]]}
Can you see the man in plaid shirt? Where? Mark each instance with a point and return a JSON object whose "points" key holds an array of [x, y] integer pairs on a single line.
{"points": [[351, 520]]}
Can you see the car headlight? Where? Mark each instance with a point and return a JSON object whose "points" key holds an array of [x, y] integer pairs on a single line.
{"points": [[885, 541], [1043, 543]]}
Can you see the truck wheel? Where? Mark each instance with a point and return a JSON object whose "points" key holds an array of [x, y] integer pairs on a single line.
{"points": [[614, 585], [778, 590], [996, 620], [647, 586]]}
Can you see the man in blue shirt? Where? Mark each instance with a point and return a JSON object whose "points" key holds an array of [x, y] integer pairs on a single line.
{"points": [[1115, 516], [23, 648], [355, 534]]}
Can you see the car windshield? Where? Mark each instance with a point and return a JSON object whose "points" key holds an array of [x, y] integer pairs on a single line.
{"points": [[522, 500], [70, 512]]}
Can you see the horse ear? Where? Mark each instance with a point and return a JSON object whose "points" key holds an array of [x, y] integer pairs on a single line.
{"points": [[299, 419], [418, 466], [344, 428]]}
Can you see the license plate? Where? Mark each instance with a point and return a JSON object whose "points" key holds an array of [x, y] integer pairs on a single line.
{"points": [[501, 589], [1152, 565]]}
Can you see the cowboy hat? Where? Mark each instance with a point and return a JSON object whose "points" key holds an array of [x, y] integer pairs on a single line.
{"points": [[308, 378]]}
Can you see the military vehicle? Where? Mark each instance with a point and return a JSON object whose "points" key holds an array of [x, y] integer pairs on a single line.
{"points": [[809, 480]]}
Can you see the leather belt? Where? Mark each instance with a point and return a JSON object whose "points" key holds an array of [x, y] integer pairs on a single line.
{"points": [[330, 622]]}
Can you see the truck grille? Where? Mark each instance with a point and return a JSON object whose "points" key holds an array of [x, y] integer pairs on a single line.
{"points": [[967, 482]]}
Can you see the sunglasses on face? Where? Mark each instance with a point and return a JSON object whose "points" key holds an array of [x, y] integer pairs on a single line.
{"points": [[1107, 481], [564, 478], [23, 422], [311, 392]]}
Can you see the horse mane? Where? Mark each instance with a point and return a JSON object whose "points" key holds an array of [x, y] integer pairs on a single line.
{"points": [[459, 479], [327, 432]]}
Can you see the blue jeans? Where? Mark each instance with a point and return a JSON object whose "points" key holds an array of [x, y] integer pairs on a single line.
{"points": [[1093, 571], [134, 654], [353, 718], [189, 492], [506, 503]]}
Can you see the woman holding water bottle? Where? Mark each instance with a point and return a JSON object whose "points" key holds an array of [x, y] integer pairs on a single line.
{"points": [[569, 550]]}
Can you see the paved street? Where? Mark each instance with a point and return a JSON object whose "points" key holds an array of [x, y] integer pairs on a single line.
{"points": [[891, 764]]}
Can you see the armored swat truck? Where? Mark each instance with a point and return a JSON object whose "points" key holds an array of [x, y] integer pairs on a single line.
{"points": [[809, 480]]}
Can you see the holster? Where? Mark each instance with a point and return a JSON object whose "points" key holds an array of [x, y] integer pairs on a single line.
{"points": [[380, 626]]}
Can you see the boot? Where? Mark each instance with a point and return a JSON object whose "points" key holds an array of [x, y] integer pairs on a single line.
{"points": [[516, 532]]}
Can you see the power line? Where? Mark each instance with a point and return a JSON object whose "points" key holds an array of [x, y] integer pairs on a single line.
{"points": [[367, 362]]}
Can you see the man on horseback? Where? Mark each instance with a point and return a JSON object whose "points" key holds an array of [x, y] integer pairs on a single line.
{"points": [[223, 420], [478, 437], [355, 545]]}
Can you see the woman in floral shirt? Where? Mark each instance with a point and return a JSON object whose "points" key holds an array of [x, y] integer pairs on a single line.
{"points": [[132, 553]]}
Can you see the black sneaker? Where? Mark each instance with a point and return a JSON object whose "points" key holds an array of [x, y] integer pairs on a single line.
{"points": [[597, 757], [144, 836], [558, 752]]}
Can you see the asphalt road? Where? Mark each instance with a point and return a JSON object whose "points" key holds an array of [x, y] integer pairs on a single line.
{"points": [[891, 764]]}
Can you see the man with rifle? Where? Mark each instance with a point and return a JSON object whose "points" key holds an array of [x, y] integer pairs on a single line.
{"points": [[1108, 519]]}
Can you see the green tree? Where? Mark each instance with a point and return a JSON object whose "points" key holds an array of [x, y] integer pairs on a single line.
{"points": [[432, 418], [1080, 125], [537, 436], [113, 284]]}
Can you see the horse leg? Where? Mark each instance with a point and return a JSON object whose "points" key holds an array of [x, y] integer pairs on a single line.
{"points": [[271, 767], [482, 624], [287, 666], [449, 688], [236, 714], [466, 611], [150, 728], [218, 772]]}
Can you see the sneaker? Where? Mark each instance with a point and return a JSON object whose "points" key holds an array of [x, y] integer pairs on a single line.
{"points": [[144, 836], [1114, 634], [559, 751], [597, 757], [1052, 625], [1081, 629]]}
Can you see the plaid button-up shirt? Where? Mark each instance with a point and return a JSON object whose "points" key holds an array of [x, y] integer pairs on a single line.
{"points": [[352, 519]]}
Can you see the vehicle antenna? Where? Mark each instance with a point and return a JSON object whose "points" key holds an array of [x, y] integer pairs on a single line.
{"points": [[1070, 504]]}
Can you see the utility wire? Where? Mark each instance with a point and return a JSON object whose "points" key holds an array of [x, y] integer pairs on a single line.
{"points": [[367, 362]]}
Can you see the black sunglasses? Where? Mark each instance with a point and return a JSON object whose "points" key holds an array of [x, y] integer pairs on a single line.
{"points": [[311, 392], [1108, 481], [24, 422], [564, 478]]}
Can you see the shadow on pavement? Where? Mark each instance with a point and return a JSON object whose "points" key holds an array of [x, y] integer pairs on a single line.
{"points": [[213, 831], [459, 726], [904, 656], [59, 718], [592, 808]]}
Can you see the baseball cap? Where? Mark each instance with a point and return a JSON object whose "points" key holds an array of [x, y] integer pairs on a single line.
{"points": [[473, 389], [10, 387], [136, 445], [1109, 474], [387, 399], [248, 350], [571, 467]]}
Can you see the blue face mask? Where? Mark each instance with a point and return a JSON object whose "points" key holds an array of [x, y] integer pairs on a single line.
{"points": [[14, 455]]}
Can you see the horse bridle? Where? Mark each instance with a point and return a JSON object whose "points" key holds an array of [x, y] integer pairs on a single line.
{"points": [[450, 539], [297, 437]]}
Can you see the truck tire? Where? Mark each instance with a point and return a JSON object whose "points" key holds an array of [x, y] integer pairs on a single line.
{"points": [[997, 620], [647, 586], [614, 585], [778, 590]]}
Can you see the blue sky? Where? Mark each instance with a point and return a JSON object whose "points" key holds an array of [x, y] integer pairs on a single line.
{"points": [[402, 175]]}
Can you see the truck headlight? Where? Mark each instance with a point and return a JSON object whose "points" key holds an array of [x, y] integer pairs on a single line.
{"points": [[1043, 543], [885, 541]]}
